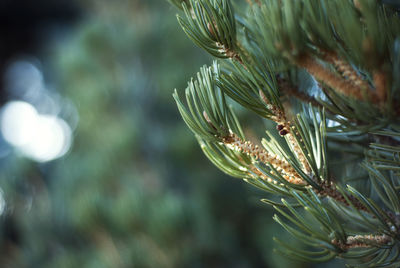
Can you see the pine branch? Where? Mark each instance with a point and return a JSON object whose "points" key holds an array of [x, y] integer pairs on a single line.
{"points": [[348, 73], [345, 69], [285, 129], [363, 241], [325, 76], [305, 35], [329, 190], [281, 165]]}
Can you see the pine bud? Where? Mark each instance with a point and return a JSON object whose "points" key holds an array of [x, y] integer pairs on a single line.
{"points": [[283, 132]]}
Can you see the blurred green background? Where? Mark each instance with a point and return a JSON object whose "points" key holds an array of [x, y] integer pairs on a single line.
{"points": [[133, 189]]}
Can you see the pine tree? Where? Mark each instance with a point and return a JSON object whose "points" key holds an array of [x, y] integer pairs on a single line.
{"points": [[327, 74]]}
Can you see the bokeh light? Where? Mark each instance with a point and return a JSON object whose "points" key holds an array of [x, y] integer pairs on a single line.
{"points": [[51, 139], [39, 137], [18, 122]]}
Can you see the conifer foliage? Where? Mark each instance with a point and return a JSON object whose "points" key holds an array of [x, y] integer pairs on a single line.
{"points": [[327, 73]]}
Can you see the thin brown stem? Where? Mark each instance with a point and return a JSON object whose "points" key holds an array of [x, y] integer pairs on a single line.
{"points": [[329, 189]]}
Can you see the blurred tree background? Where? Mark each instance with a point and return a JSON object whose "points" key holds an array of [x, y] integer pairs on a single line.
{"points": [[133, 190]]}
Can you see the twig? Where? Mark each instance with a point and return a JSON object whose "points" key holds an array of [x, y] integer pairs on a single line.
{"points": [[247, 147], [229, 52], [265, 157], [329, 189], [362, 241], [285, 129], [380, 82], [325, 76], [345, 69]]}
